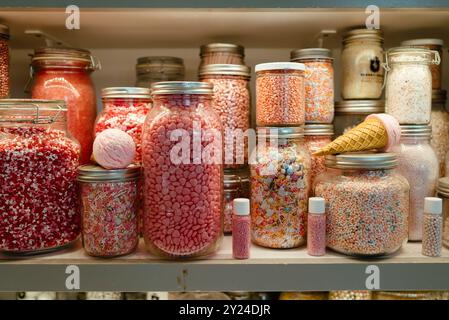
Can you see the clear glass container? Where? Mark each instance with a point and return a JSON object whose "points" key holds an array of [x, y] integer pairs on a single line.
{"points": [[367, 204], [417, 161], [236, 185], [64, 74], [109, 210], [183, 171], [408, 89], [439, 120], [280, 185], [443, 192], [38, 189], [221, 53], [4, 61], [361, 59], [232, 102], [158, 68], [350, 113], [319, 83]]}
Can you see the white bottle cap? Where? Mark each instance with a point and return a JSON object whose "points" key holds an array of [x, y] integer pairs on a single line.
{"points": [[433, 205], [241, 206], [317, 205]]}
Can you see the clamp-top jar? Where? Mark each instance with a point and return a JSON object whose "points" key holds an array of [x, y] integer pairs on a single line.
{"points": [[221, 53], [4, 61], [158, 68]]}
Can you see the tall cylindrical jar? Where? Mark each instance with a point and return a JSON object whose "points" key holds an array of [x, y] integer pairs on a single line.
{"points": [[236, 185], [408, 90], [4, 61], [319, 83], [221, 53], [418, 163], [439, 120], [183, 171], [158, 68], [367, 204], [280, 183], [361, 58], [443, 192], [232, 102], [38, 169], [64, 74]]}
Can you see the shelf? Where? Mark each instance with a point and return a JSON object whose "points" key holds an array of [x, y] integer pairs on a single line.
{"points": [[267, 270]]}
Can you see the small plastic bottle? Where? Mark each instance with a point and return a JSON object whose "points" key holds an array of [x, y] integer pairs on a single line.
{"points": [[316, 224], [432, 227], [241, 229]]}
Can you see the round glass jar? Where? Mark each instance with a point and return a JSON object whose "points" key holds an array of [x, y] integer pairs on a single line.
{"points": [[158, 68], [443, 192], [221, 53], [319, 83], [439, 120], [183, 171], [408, 89], [280, 94], [418, 163], [232, 102], [350, 113], [4, 61], [109, 203], [361, 59], [64, 74], [280, 184], [367, 204], [38, 169], [236, 185]]}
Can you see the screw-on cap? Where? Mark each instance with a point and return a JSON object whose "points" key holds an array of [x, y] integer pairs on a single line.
{"points": [[280, 66], [433, 205], [241, 206], [317, 205]]}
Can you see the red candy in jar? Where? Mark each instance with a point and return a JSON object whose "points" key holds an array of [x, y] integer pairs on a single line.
{"points": [[183, 171], [64, 74]]}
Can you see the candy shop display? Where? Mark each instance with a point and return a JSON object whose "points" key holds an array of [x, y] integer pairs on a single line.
{"points": [[4, 61], [443, 192], [280, 94], [222, 53], [319, 83], [316, 227], [432, 227], [64, 74], [350, 113], [418, 163], [38, 168], [109, 203], [367, 204], [350, 295], [236, 185], [232, 102], [183, 171], [158, 68], [361, 59], [408, 90], [241, 229], [125, 108], [114, 149], [439, 120], [280, 182]]}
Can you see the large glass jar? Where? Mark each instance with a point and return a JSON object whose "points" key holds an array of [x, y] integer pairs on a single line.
{"points": [[361, 58], [183, 171], [236, 185], [439, 120], [319, 83], [443, 192], [38, 169], [408, 90], [367, 204], [418, 163], [280, 184], [232, 102], [158, 68], [64, 74], [350, 113], [221, 53], [4, 61]]}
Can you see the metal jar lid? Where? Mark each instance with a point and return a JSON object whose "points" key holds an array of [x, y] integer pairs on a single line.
{"points": [[181, 87], [222, 47], [363, 34], [280, 66], [236, 179], [439, 96], [318, 129], [281, 132], [94, 173], [225, 69], [4, 31], [443, 187], [125, 92], [160, 64], [362, 161], [360, 106], [423, 42], [416, 130], [310, 53], [62, 53]]}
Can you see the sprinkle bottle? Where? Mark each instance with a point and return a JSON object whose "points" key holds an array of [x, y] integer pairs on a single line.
{"points": [[316, 222], [432, 227], [241, 223]]}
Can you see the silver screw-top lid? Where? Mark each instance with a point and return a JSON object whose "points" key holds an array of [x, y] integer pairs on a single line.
{"points": [[363, 34], [423, 42], [181, 87], [281, 132], [361, 107], [94, 173], [373, 161], [311, 129], [225, 69], [443, 187], [416, 130], [222, 47], [125, 92], [160, 65], [310, 53]]}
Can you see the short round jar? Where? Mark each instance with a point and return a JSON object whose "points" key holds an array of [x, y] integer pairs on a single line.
{"points": [[158, 68], [222, 53]]}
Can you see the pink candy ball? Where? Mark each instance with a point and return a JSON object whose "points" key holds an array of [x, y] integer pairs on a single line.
{"points": [[114, 149]]}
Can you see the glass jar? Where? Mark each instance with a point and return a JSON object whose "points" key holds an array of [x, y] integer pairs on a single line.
{"points": [[221, 53], [4, 61], [361, 58], [38, 168], [280, 184], [367, 203], [443, 192], [430, 44], [408, 89], [316, 136], [439, 120], [109, 203], [183, 188], [417, 161], [64, 74], [236, 185], [319, 83], [350, 113], [280, 94], [158, 68], [232, 102], [125, 108]]}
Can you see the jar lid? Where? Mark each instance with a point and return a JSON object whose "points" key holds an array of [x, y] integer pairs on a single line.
{"points": [[280, 66], [235, 178], [63, 53], [181, 87], [225, 69], [160, 61], [363, 34], [443, 187], [125, 92], [222, 47], [360, 106], [319, 129], [439, 96], [4, 31], [425, 55], [35, 111], [362, 161], [423, 42], [281, 132], [416, 130], [310, 53], [95, 173]]}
